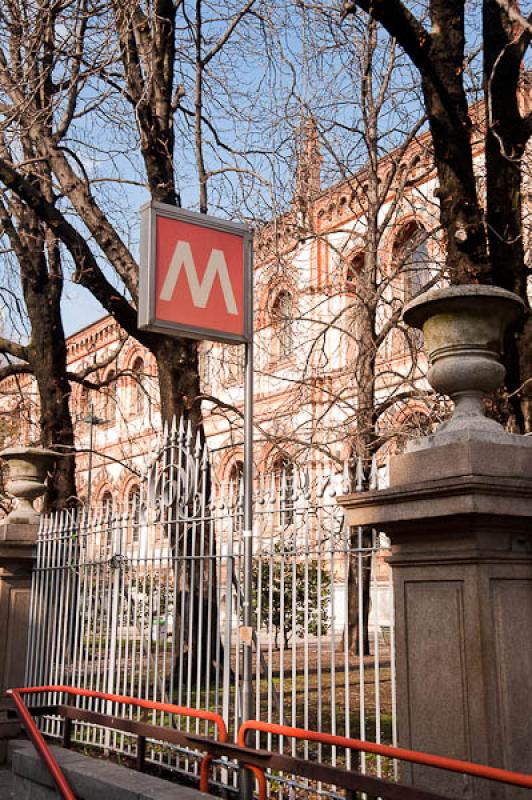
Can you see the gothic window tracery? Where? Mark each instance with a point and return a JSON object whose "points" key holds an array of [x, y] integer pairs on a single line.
{"points": [[137, 399], [283, 470], [283, 325], [411, 259], [133, 503]]}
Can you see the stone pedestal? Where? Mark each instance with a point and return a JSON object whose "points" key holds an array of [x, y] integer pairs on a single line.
{"points": [[459, 516], [17, 554]]}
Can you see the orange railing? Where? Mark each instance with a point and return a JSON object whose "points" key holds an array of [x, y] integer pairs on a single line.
{"points": [[440, 762], [222, 747], [50, 762]]}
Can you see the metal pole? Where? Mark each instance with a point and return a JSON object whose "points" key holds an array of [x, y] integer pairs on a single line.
{"points": [[246, 779]]}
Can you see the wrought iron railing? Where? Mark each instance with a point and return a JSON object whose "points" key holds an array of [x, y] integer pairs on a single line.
{"points": [[147, 602]]}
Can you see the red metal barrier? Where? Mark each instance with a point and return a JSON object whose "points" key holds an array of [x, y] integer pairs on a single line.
{"points": [[451, 764], [441, 762], [50, 762]]}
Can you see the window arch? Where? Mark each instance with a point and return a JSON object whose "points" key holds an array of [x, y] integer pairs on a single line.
{"points": [[107, 506], [106, 501], [108, 398], [354, 268], [133, 507], [137, 394], [283, 325], [235, 473], [235, 489], [411, 259]]}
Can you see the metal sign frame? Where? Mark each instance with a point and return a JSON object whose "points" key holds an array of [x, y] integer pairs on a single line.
{"points": [[147, 319]]}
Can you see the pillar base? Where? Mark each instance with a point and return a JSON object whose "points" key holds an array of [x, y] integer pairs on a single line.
{"points": [[462, 573]]}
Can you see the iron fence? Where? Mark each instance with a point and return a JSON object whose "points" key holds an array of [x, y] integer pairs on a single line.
{"points": [[147, 602]]}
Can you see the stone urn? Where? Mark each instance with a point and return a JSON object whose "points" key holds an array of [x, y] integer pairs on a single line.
{"points": [[28, 468], [464, 329]]}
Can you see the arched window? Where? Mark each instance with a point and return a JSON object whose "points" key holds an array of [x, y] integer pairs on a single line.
{"points": [[107, 502], [133, 507], [354, 268], [107, 506], [236, 489], [83, 402], [235, 473], [138, 395], [411, 258], [283, 325], [108, 398], [283, 469]]}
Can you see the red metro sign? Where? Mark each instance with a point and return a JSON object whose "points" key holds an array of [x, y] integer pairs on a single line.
{"points": [[195, 275]]}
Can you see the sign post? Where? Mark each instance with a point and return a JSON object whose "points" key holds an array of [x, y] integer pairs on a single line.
{"points": [[196, 276]]}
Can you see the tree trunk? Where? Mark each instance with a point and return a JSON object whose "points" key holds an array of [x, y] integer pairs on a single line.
{"points": [[450, 125], [506, 139], [48, 358], [359, 581], [40, 266], [179, 384]]}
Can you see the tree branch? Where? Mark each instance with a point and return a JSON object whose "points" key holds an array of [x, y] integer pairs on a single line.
{"points": [[227, 35], [88, 273], [515, 15], [13, 349], [401, 24], [15, 369]]}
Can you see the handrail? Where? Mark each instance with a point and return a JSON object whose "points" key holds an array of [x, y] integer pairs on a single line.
{"points": [[42, 748], [51, 763], [440, 762]]}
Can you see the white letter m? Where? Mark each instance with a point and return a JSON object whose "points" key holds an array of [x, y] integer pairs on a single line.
{"points": [[200, 291]]}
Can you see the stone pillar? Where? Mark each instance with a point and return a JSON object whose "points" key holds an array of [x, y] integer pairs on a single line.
{"points": [[17, 553], [18, 535], [459, 514]]}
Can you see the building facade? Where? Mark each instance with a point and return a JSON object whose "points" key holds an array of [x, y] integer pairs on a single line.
{"points": [[315, 288]]}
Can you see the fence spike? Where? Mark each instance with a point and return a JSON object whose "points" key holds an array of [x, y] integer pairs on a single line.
{"points": [[320, 480], [261, 494], [306, 483], [197, 446], [296, 483], [359, 475], [346, 478], [331, 480], [272, 492], [374, 473], [181, 430]]}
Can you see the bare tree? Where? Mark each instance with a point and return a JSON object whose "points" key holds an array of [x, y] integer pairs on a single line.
{"points": [[335, 366], [112, 100], [484, 241], [67, 69], [137, 74]]}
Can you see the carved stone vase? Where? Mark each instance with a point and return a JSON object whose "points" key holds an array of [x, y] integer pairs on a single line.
{"points": [[464, 329], [28, 468]]}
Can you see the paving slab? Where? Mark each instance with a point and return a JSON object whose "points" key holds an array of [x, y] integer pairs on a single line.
{"points": [[7, 784], [90, 778]]}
